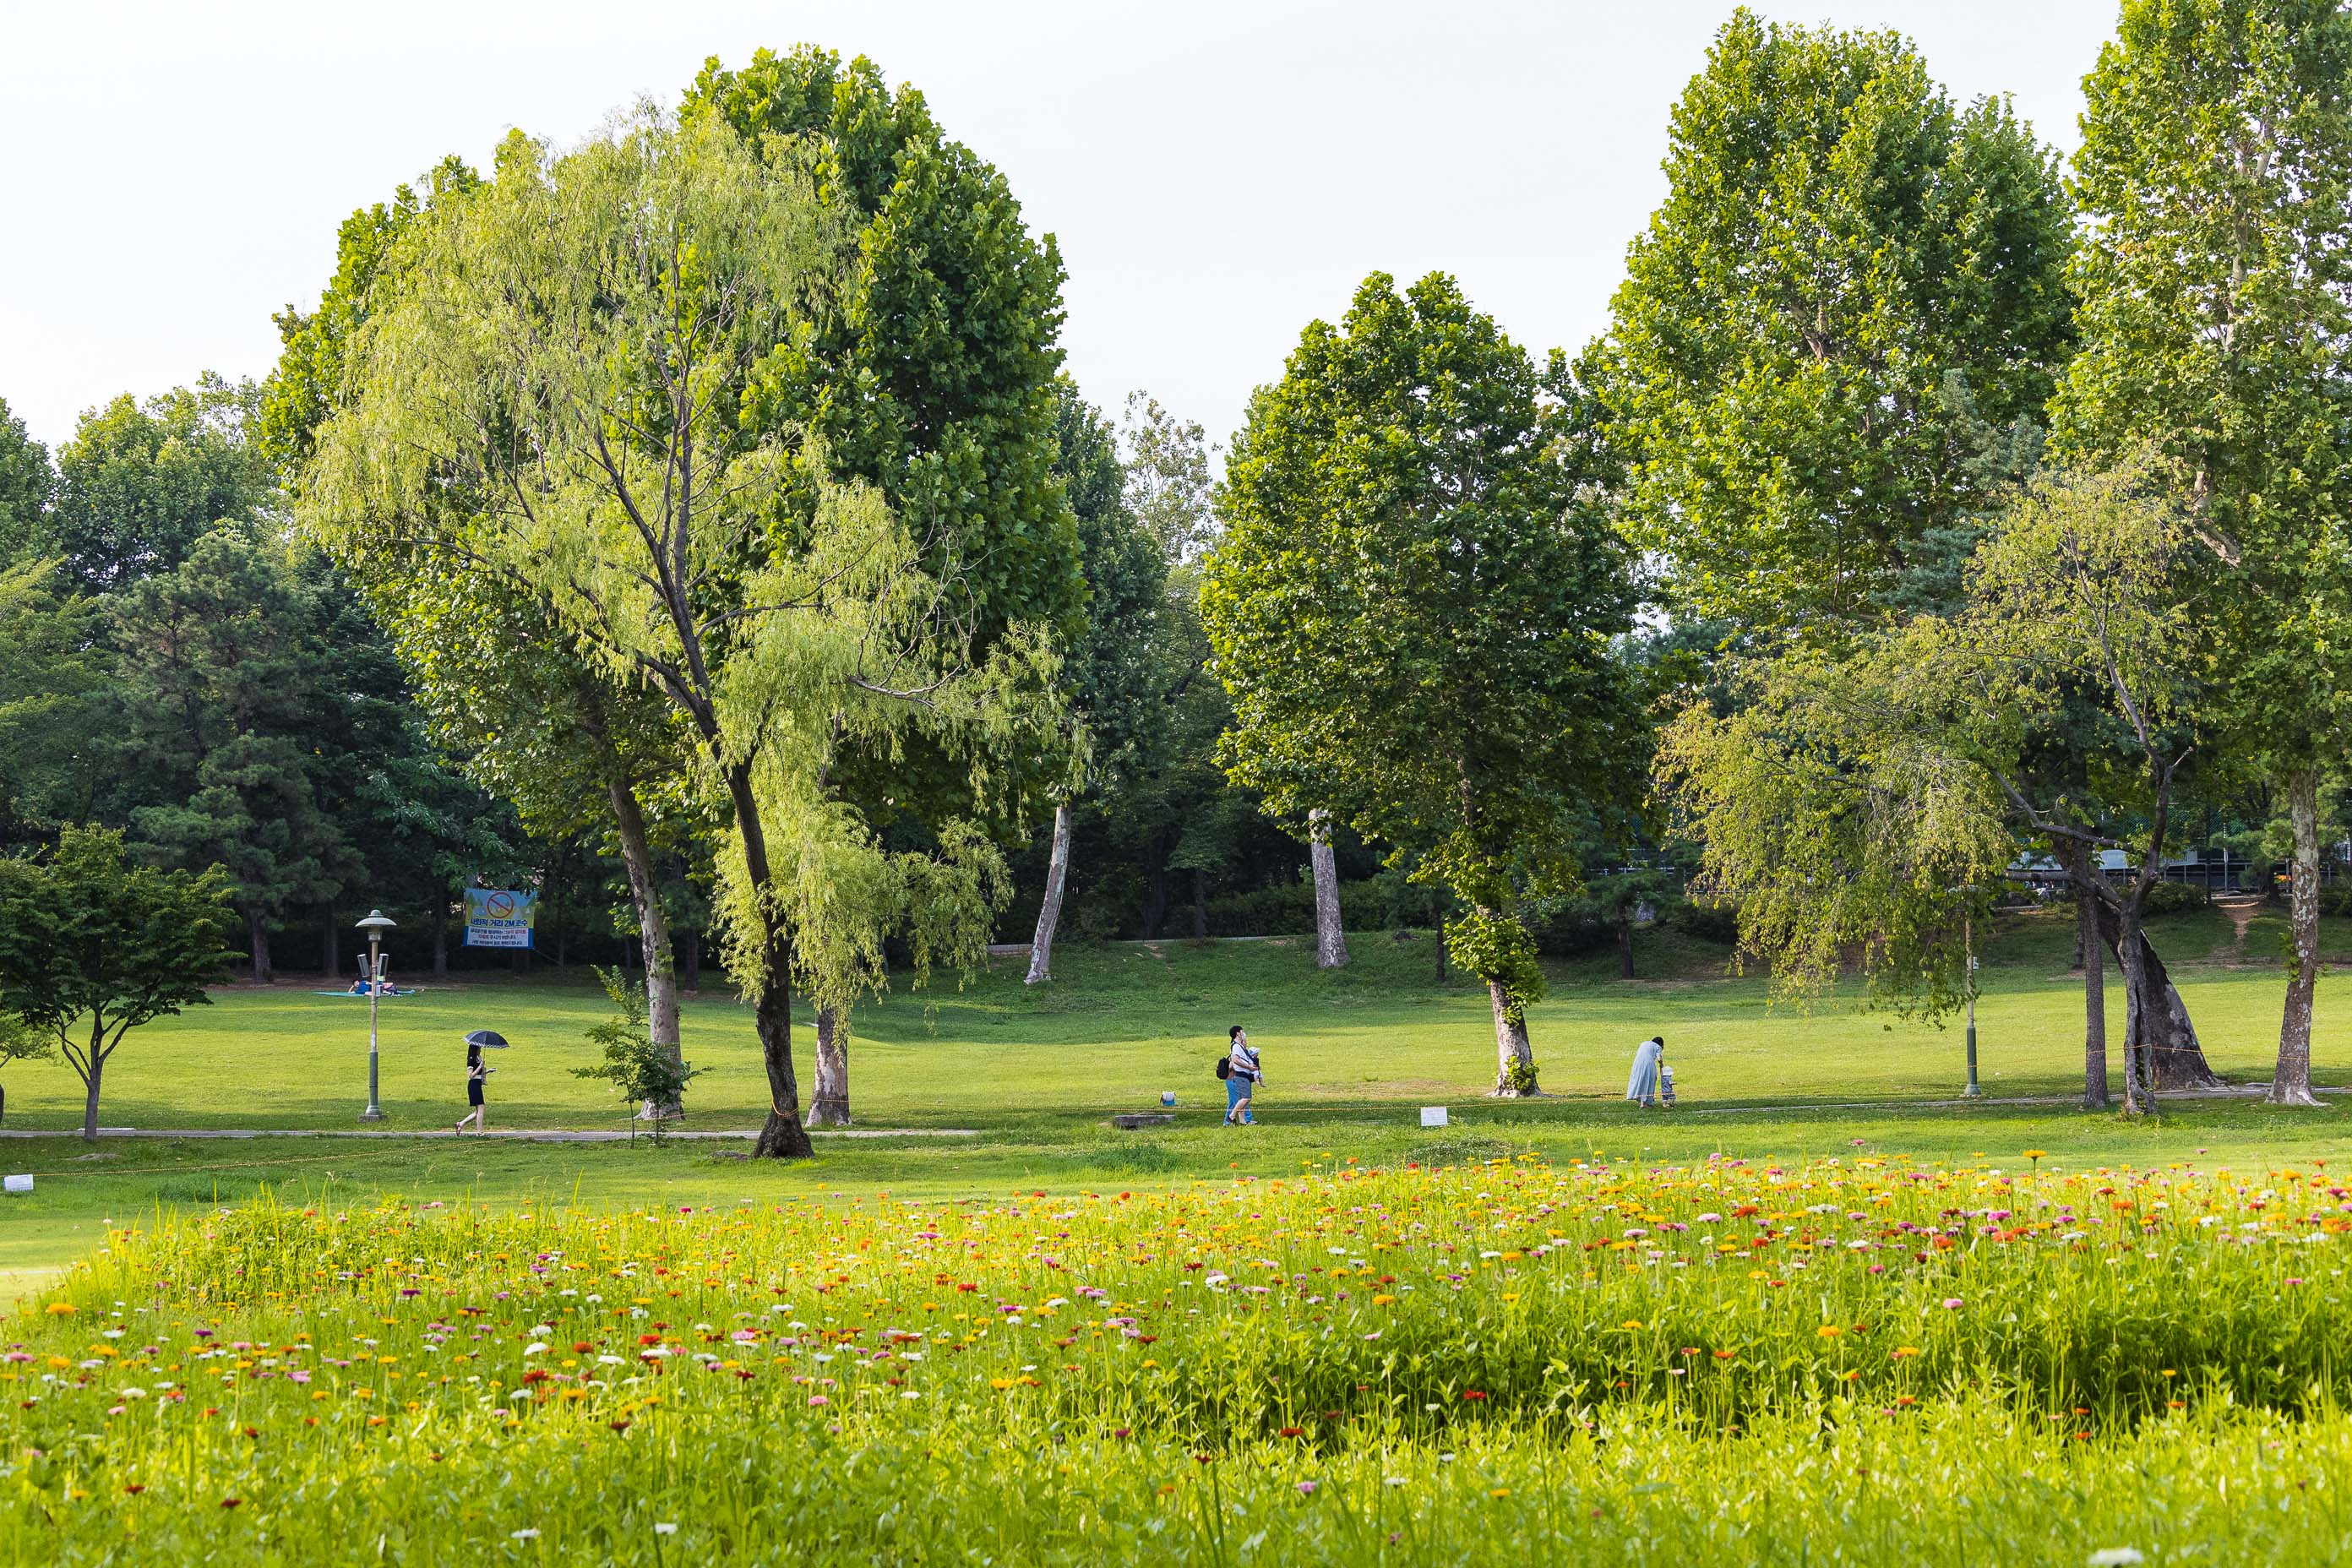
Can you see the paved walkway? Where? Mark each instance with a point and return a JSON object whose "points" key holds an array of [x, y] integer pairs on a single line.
{"points": [[512, 1134]]}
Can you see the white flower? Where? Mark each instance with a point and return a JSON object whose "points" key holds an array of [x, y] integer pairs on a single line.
{"points": [[526, 1535], [671, 1529], [2115, 1557]]}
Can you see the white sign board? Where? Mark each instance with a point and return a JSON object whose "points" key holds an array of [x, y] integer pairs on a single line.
{"points": [[1433, 1116], [15, 1183]]}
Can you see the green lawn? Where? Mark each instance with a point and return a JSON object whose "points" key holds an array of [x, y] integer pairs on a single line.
{"points": [[1035, 1073]]}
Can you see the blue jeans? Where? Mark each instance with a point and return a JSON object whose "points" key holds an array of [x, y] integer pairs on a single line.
{"points": [[1237, 1091]]}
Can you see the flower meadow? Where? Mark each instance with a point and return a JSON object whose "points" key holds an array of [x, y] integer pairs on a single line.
{"points": [[1862, 1360]]}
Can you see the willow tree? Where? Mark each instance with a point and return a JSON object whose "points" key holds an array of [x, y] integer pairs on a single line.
{"points": [[1860, 804], [569, 349], [1412, 606], [571, 746]]}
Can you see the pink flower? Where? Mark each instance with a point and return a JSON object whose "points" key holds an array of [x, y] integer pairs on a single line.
{"points": [[1306, 1488], [1951, 1303], [819, 1399]]}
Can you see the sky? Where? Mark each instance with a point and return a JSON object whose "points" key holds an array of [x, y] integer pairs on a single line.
{"points": [[1218, 175]]}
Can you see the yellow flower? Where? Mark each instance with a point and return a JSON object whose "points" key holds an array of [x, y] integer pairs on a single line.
{"points": [[1904, 1352], [62, 1309], [1384, 1300], [1632, 1322], [1000, 1383], [1829, 1330]]}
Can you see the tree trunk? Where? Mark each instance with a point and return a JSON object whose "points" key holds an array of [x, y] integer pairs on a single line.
{"points": [[693, 941], [829, 1097], [1330, 941], [97, 1071], [2155, 1014], [1625, 951], [330, 960], [1155, 902], [1199, 904], [2291, 1083], [257, 930], [1049, 912], [1514, 1063], [441, 935], [2094, 996], [782, 1136], [653, 928], [2132, 953], [1440, 953]]}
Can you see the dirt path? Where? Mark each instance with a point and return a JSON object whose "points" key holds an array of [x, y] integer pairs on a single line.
{"points": [[2242, 910]]}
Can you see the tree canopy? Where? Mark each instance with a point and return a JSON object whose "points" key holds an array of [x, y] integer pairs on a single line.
{"points": [[1414, 605], [1846, 268], [93, 944]]}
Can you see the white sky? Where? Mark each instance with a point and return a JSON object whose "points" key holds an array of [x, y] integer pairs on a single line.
{"points": [[1218, 173]]}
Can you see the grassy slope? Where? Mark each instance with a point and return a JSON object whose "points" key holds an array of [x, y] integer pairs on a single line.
{"points": [[1037, 1071]]}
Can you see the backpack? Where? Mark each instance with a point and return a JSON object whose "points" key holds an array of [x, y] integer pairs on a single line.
{"points": [[1225, 1066]]}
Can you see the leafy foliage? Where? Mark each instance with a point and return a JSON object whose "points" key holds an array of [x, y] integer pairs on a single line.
{"points": [[1839, 244], [93, 945]]}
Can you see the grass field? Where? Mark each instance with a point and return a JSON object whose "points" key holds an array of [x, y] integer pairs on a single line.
{"points": [[1171, 1369], [1121, 1024], [1500, 1361], [1036, 1072]]}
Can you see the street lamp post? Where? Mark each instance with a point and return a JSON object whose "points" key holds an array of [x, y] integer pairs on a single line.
{"points": [[1968, 945], [375, 925]]}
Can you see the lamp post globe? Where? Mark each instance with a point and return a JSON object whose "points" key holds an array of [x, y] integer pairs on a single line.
{"points": [[375, 925]]}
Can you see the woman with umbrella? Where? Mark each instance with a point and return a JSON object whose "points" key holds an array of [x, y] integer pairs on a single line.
{"points": [[477, 1075]]}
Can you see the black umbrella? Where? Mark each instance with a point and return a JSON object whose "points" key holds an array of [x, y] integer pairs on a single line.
{"points": [[489, 1039]]}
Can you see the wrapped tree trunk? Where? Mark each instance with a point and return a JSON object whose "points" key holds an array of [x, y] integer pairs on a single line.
{"points": [[653, 928], [829, 1098], [1049, 912], [1515, 1056], [257, 930], [2154, 1014], [2291, 1083], [1330, 941]]}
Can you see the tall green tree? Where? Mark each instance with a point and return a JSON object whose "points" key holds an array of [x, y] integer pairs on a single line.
{"points": [[607, 309], [1112, 673], [933, 380], [237, 728], [1839, 242], [92, 945], [2216, 281], [1412, 605], [56, 713], [140, 482]]}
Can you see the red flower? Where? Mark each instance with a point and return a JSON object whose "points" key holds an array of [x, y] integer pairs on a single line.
{"points": [[1472, 1394]]}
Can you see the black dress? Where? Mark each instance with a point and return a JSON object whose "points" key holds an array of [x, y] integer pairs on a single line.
{"points": [[474, 1085]]}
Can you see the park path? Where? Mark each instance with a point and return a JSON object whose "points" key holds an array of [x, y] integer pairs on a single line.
{"points": [[512, 1134]]}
